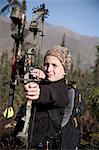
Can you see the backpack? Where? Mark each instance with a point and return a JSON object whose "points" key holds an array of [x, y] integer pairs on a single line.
{"points": [[76, 102], [70, 124]]}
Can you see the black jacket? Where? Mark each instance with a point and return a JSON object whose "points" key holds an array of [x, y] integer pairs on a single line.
{"points": [[53, 96]]}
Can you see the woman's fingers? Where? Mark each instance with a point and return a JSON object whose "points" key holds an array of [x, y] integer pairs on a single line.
{"points": [[32, 91], [38, 73]]}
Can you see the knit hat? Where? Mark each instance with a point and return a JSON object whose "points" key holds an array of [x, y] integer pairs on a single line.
{"points": [[63, 54]]}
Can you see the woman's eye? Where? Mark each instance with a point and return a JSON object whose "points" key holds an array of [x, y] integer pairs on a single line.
{"points": [[54, 65], [46, 65]]}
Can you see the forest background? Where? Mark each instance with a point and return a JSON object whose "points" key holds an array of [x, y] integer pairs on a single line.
{"points": [[87, 80]]}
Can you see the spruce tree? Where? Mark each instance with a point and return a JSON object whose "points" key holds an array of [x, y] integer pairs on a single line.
{"points": [[63, 40], [96, 69]]}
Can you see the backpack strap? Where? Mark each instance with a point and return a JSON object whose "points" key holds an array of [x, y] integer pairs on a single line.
{"points": [[69, 108]]}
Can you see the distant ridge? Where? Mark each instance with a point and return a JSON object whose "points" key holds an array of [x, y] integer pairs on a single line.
{"points": [[82, 47]]}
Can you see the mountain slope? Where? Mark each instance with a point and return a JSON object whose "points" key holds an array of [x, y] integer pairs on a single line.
{"points": [[82, 47]]}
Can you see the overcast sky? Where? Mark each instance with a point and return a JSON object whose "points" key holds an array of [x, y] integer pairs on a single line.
{"points": [[81, 16]]}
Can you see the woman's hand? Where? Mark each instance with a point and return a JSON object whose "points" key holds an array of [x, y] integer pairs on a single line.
{"points": [[38, 74], [32, 91]]}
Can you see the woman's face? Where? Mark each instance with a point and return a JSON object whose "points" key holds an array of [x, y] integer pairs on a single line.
{"points": [[53, 68]]}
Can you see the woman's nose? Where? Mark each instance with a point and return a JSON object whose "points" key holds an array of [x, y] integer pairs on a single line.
{"points": [[50, 68]]}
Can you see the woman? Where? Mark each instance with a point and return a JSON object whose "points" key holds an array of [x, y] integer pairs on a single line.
{"points": [[50, 98]]}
